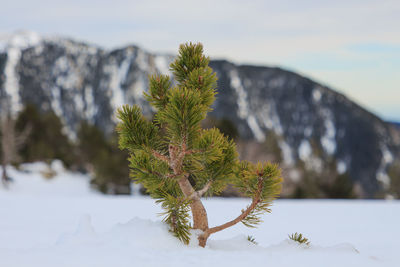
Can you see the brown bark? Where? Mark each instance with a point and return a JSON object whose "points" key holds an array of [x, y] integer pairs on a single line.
{"points": [[160, 156], [199, 214], [243, 215], [203, 239], [11, 142], [200, 219], [201, 192]]}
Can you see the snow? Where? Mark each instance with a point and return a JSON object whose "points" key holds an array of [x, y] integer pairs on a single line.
{"points": [[11, 83], [13, 44], [328, 140], [381, 174], [316, 94], [124, 67], [270, 117], [255, 128], [61, 222], [19, 39], [341, 167], [63, 69], [311, 161], [162, 64], [30, 181], [286, 152], [56, 101], [242, 103], [243, 106], [142, 60], [65, 79], [305, 150], [138, 87], [308, 131], [91, 108], [118, 74]]}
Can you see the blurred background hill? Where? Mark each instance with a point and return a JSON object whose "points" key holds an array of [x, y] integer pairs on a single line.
{"points": [[68, 91]]}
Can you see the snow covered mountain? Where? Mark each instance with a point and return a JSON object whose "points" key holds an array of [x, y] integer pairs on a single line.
{"points": [[315, 127]]}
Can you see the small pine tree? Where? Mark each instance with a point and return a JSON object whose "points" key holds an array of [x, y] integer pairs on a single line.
{"points": [[47, 140], [179, 163], [101, 155], [299, 238]]}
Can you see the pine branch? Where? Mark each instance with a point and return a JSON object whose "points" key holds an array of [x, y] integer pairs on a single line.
{"points": [[135, 131], [244, 213], [204, 190], [160, 156], [176, 215], [201, 192], [158, 91], [192, 151]]}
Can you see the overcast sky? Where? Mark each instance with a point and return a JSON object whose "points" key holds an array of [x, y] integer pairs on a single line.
{"points": [[352, 46]]}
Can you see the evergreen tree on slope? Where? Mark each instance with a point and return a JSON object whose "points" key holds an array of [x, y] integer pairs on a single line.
{"points": [[179, 163]]}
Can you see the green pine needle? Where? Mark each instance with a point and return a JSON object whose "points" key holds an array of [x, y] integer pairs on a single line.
{"points": [[176, 215], [299, 238], [252, 240]]}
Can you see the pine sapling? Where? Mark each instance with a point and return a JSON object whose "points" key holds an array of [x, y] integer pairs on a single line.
{"points": [[251, 239], [299, 238], [178, 162]]}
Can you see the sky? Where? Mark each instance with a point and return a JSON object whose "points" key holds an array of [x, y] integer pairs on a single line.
{"points": [[352, 46]]}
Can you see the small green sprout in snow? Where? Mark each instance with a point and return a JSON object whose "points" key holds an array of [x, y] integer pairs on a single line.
{"points": [[252, 239], [299, 238]]}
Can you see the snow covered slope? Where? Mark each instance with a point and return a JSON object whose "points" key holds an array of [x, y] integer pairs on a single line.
{"points": [[71, 226], [29, 180]]}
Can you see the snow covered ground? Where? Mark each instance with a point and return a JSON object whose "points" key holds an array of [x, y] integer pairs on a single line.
{"points": [[61, 222]]}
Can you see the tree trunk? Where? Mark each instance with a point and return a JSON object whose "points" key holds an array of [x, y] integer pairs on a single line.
{"points": [[200, 219], [199, 213], [203, 239], [4, 177], [6, 147], [11, 141]]}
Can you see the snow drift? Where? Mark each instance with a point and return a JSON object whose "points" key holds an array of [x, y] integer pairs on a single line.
{"points": [[60, 222]]}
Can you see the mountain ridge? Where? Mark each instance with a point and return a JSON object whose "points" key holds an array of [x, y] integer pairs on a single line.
{"points": [[314, 126]]}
